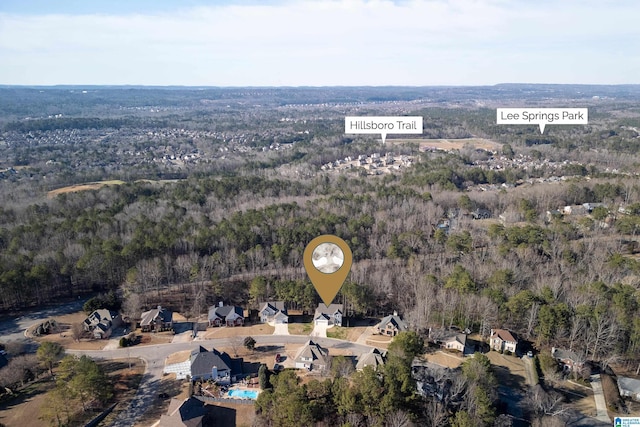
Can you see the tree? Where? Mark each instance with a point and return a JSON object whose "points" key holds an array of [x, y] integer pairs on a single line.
{"points": [[49, 353], [77, 331], [250, 343], [263, 377]]}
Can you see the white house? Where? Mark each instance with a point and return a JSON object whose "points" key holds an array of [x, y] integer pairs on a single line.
{"points": [[273, 311], [331, 314], [312, 357], [503, 340]]}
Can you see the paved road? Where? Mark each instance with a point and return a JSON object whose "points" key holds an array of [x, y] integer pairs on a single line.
{"points": [[12, 329], [155, 355]]}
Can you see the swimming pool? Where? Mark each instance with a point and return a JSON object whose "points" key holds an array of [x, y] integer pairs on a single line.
{"points": [[243, 394]]}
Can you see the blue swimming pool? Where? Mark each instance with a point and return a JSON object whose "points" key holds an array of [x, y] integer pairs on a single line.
{"points": [[243, 394]]}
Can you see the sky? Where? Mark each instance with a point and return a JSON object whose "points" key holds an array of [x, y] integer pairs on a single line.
{"points": [[318, 42]]}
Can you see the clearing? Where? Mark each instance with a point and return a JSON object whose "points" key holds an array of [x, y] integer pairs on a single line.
{"points": [[449, 144]]}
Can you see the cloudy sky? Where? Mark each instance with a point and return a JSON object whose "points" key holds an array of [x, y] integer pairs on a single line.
{"points": [[318, 42]]}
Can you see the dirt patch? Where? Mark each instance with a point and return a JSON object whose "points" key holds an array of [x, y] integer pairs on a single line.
{"points": [[238, 331], [178, 357], [82, 187], [232, 414], [449, 144], [444, 359], [350, 334]]}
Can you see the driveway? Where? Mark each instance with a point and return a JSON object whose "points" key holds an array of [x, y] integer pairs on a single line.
{"points": [[319, 331], [598, 395], [362, 339], [281, 329]]}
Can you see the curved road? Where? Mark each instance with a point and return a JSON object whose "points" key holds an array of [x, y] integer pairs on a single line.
{"points": [[155, 355]]}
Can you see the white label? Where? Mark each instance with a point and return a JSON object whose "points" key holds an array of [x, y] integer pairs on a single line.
{"points": [[542, 116], [383, 125], [626, 422]]}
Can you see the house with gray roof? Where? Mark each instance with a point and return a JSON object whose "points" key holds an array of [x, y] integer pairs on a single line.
{"points": [[312, 357], [273, 311], [210, 365], [391, 325], [331, 314], [226, 315], [158, 319], [101, 323], [375, 358], [456, 342], [183, 413], [570, 361], [629, 387]]}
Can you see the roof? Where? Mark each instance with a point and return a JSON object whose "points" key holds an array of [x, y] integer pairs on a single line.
{"points": [[274, 306], [395, 320], [629, 385], [504, 335], [151, 315], [313, 351], [374, 359], [202, 361], [461, 338], [230, 312], [563, 354], [331, 309], [189, 413], [280, 315], [99, 316], [322, 316]]}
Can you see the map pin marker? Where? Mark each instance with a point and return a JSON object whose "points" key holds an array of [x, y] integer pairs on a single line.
{"points": [[327, 260]]}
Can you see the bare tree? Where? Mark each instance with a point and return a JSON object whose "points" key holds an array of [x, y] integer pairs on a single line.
{"points": [[77, 331]]}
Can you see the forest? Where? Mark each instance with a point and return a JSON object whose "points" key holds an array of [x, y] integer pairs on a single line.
{"points": [[233, 226]]}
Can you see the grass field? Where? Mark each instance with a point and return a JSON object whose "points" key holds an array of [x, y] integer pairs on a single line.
{"points": [[300, 328], [449, 144], [97, 185]]}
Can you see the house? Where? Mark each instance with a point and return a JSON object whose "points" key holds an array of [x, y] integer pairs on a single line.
{"points": [[101, 323], [375, 358], [202, 364], [158, 319], [629, 387], [391, 325], [312, 357], [226, 315], [503, 340], [331, 314], [189, 413], [570, 361], [273, 311], [456, 342]]}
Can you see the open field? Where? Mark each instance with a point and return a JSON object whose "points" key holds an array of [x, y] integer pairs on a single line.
{"points": [[448, 144], [82, 187], [97, 185], [238, 331]]}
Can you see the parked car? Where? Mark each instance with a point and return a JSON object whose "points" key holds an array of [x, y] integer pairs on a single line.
{"points": [[278, 358], [278, 368], [530, 353]]}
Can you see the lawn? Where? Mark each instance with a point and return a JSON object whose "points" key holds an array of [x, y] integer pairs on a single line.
{"points": [[300, 328]]}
